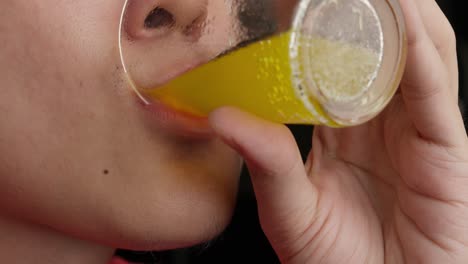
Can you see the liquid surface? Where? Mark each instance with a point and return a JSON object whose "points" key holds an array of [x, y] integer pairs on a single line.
{"points": [[341, 71], [258, 79]]}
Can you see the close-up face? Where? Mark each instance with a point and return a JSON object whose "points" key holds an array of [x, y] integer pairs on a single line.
{"points": [[80, 153]]}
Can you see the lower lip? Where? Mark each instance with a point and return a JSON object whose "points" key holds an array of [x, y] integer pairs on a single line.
{"points": [[177, 123]]}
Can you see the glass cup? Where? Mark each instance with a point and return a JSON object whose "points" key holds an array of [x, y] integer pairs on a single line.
{"points": [[325, 62]]}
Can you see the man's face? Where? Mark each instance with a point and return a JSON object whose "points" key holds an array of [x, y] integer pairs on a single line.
{"points": [[79, 153]]}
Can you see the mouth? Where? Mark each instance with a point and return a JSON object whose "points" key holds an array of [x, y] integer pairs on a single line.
{"points": [[177, 123], [169, 119]]}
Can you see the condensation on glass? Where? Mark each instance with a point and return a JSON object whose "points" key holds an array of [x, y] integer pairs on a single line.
{"points": [[328, 62]]}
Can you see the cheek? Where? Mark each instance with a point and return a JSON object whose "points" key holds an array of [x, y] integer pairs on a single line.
{"points": [[56, 70], [58, 80], [66, 116], [57, 52]]}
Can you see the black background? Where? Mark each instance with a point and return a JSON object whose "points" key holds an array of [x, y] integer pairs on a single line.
{"points": [[243, 241]]}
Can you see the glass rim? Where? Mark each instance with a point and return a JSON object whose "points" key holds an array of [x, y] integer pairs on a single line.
{"points": [[316, 103]]}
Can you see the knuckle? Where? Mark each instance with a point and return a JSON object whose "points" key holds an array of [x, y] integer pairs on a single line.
{"points": [[445, 38], [450, 35]]}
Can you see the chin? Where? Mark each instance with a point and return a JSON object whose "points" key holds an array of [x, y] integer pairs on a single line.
{"points": [[185, 220]]}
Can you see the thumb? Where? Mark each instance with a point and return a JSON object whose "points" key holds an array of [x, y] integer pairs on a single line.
{"points": [[286, 197]]}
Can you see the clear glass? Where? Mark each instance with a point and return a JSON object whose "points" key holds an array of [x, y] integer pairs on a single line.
{"points": [[326, 62]]}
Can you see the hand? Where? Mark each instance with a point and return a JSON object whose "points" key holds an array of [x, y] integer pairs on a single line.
{"points": [[394, 190]]}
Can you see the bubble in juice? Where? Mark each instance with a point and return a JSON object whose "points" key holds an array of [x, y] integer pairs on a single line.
{"points": [[341, 72], [258, 79]]}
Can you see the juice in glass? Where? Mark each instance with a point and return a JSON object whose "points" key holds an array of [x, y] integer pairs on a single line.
{"points": [[313, 73]]}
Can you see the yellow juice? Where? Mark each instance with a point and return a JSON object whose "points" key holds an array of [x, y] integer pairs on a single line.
{"points": [[258, 79]]}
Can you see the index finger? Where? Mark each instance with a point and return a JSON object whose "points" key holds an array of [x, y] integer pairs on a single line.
{"points": [[442, 36], [426, 84]]}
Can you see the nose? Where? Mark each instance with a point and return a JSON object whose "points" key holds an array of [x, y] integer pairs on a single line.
{"points": [[152, 18]]}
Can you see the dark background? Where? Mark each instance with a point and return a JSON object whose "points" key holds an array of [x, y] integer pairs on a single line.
{"points": [[243, 241]]}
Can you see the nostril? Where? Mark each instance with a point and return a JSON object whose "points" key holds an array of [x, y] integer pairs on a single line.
{"points": [[159, 18]]}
